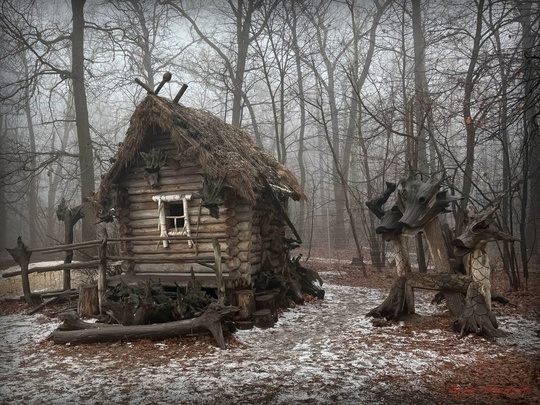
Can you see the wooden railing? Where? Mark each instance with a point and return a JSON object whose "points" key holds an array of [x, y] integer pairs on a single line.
{"points": [[21, 254]]}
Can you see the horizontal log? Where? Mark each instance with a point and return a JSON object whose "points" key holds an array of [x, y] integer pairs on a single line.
{"points": [[148, 232], [45, 269], [167, 258], [255, 257], [210, 321], [244, 236], [231, 221], [232, 231], [176, 247], [233, 263], [187, 188], [166, 171], [133, 182], [243, 268], [170, 238], [63, 248], [169, 279], [202, 227], [152, 212], [175, 268]]}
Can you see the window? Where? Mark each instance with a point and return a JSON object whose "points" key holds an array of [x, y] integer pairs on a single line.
{"points": [[175, 219], [176, 223]]}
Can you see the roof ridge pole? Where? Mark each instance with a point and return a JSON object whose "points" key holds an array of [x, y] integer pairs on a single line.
{"points": [[144, 86], [167, 76], [180, 93]]}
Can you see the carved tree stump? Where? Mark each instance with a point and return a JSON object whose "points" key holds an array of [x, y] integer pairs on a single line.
{"points": [[88, 300], [477, 317]]}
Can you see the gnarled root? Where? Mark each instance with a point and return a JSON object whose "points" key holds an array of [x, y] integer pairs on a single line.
{"points": [[477, 317], [400, 301]]}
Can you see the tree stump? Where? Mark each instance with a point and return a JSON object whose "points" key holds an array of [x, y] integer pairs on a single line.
{"points": [[263, 318], [245, 300], [267, 301], [88, 300], [243, 325]]}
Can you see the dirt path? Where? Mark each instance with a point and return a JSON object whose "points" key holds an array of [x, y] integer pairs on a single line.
{"points": [[325, 352]]}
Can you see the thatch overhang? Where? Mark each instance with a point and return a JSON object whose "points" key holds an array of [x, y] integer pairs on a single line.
{"points": [[220, 148]]}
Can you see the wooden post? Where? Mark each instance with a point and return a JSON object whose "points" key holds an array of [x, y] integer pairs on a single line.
{"points": [[70, 216], [102, 272], [180, 93], [22, 256], [217, 268]]}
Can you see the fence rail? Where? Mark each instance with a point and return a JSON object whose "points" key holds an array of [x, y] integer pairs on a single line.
{"points": [[21, 254]]}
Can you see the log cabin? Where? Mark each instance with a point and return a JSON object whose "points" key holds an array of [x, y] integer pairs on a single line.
{"points": [[183, 171]]}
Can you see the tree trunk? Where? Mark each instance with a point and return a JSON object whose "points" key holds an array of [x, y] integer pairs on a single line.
{"points": [[470, 125], [86, 158], [22, 256], [32, 210], [421, 95], [441, 261], [477, 317], [530, 217], [3, 206]]}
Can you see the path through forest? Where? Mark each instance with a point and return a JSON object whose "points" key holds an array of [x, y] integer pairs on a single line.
{"points": [[322, 352]]}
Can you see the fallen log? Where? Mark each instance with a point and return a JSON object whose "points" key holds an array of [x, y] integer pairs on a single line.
{"points": [[210, 320], [42, 305]]}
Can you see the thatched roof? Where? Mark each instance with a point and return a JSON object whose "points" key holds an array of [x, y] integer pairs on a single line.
{"points": [[221, 149]]}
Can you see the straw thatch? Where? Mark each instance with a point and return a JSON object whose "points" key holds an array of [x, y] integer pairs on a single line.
{"points": [[221, 149]]}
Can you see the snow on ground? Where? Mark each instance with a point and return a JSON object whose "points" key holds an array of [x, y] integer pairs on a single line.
{"points": [[326, 352]]}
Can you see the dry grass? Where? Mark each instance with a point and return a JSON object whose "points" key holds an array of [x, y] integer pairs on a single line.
{"points": [[39, 282]]}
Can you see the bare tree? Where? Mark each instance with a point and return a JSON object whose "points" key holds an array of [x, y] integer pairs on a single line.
{"points": [[86, 155], [243, 14]]}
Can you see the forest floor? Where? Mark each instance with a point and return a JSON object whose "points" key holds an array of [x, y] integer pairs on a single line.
{"points": [[322, 352]]}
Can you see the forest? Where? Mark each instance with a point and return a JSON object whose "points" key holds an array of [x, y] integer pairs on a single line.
{"points": [[348, 94]]}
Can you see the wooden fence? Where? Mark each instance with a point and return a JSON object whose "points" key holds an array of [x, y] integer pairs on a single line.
{"points": [[21, 254]]}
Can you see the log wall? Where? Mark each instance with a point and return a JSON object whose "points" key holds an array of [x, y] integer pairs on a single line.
{"points": [[248, 235], [233, 227]]}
